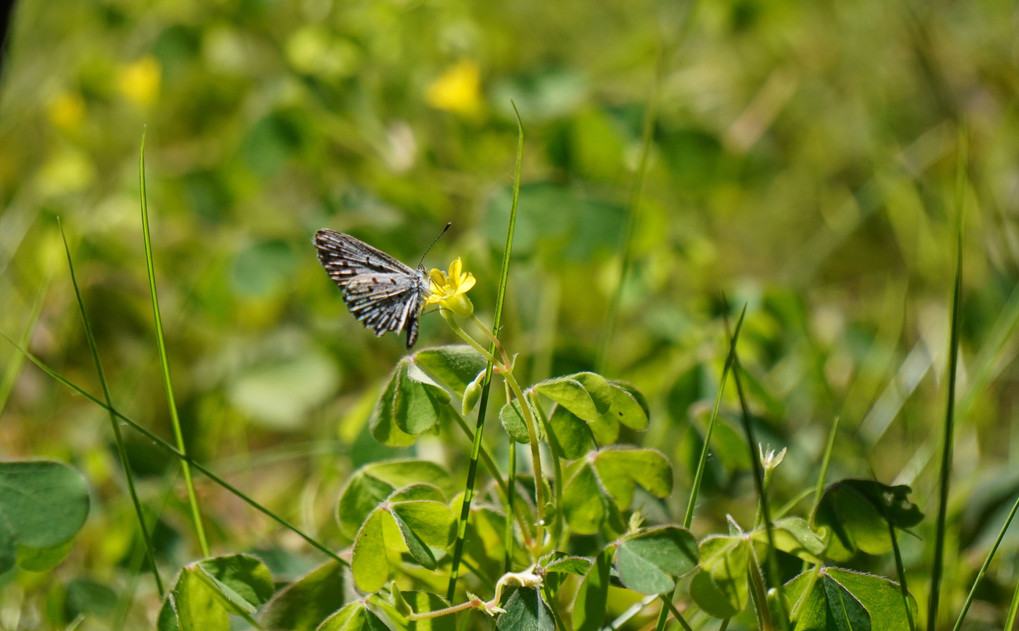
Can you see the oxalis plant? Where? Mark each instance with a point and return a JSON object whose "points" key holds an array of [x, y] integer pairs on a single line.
{"points": [[557, 539], [574, 534]]}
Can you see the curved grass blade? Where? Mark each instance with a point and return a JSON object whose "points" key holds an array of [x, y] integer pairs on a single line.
{"points": [[164, 362]]}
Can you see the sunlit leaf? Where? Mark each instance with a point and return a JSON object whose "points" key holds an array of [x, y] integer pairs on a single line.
{"points": [[844, 600], [208, 591], [373, 483], [453, 366]]}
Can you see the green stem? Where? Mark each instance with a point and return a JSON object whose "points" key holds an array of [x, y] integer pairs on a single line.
{"points": [[196, 514], [901, 570]]}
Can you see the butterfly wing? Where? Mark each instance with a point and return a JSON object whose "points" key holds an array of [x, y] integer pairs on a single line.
{"points": [[380, 291]]}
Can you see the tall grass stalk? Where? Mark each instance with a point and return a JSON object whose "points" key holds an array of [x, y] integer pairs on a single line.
{"points": [[703, 460], [114, 424], [170, 449], [164, 362], [472, 469], [948, 430]]}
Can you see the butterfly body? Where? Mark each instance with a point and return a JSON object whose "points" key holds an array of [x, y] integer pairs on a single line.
{"points": [[380, 291]]}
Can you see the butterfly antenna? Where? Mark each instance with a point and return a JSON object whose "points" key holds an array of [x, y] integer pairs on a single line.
{"points": [[436, 240]]}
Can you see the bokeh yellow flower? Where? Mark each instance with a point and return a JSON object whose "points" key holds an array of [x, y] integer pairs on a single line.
{"points": [[449, 291], [66, 110], [139, 81], [457, 90]]}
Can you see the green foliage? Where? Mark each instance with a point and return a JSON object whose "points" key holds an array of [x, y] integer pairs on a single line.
{"points": [[206, 593], [838, 599], [857, 513], [43, 505], [675, 152]]}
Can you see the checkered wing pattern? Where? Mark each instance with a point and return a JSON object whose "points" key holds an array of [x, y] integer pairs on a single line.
{"points": [[381, 292]]}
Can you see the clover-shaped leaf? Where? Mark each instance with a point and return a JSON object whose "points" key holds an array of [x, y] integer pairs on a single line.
{"points": [[586, 394], [603, 484], [721, 588], [453, 366], [412, 403], [207, 592], [526, 610], [43, 504], [373, 483], [589, 406], [793, 535], [856, 513], [649, 560], [844, 600], [413, 519]]}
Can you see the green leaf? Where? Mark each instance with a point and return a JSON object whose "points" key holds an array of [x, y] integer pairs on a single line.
{"points": [[649, 560], [513, 422], [841, 599], [207, 591], [369, 563], [558, 566], [192, 606], [305, 603], [589, 607], [619, 468], [453, 366], [586, 395], [43, 505], [571, 436], [627, 406], [354, 617], [526, 610], [855, 514], [242, 580], [710, 597], [409, 520], [432, 520], [370, 485], [585, 504], [412, 403], [793, 536], [724, 563]]}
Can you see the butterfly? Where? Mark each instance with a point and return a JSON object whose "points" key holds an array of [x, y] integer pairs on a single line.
{"points": [[380, 291]]}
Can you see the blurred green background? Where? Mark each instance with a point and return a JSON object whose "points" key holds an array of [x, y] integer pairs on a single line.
{"points": [[803, 161]]}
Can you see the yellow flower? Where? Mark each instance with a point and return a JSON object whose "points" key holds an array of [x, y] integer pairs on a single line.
{"points": [[449, 291], [66, 110], [139, 81], [457, 90]]}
